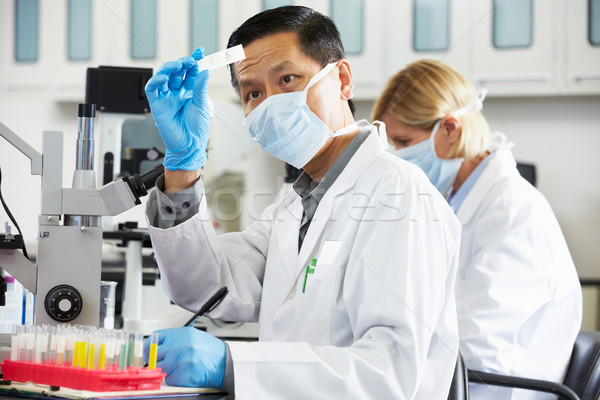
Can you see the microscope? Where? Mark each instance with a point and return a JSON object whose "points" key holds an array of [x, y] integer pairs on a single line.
{"points": [[67, 273]]}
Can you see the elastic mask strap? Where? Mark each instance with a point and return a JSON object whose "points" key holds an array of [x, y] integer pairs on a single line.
{"points": [[480, 98], [351, 127], [382, 134], [352, 92], [435, 128], [477, 104], [319, 75]]}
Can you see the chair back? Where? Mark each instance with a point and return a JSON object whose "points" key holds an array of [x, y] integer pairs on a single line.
{"points": [[527, 171], [583, 375], [459, 389]]}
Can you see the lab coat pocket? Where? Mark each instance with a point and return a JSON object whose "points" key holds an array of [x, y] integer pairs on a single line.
{"points": [[319, 295], [325, 272], [313, 297], [327, 261], [321, 282]]}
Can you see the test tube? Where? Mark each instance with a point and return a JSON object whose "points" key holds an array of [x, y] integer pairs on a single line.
{"points": [[116, 343], [37, 354], [111, 351], [117, 350], [138, 350], [102, 357], [61, 344], [153, 350], [52, 348], [92, 349], [99, 341], [21, 344], [123, 341], [60, 335], [71, 347], [30, 344], [14, 342], [83, 353], [78, 333], [91, 361], [130, 348], [41, 344], [23, 339], [76, 352]]}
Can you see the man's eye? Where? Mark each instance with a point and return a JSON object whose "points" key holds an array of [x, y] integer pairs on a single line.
{"points": [[253, 95], [287, 79]]}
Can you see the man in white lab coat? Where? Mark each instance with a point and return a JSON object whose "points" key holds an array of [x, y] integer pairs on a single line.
{"points": [[338, 317]]}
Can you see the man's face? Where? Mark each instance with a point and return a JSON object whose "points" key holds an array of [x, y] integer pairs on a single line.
{"points": [[276, 64]]}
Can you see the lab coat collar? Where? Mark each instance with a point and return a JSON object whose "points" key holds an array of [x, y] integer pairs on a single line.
{"points": [[503, 164]]}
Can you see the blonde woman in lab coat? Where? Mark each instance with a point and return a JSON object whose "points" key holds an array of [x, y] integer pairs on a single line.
{"points": [[518, 294]]}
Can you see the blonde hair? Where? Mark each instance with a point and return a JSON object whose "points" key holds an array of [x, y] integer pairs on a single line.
{"points": [[427, 91]]}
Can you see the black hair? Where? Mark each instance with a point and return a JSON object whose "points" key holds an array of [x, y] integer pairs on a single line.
{"points": [[319, 37]]}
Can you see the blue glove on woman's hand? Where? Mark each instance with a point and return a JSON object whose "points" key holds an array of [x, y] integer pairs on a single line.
{"points": [[190, 357], [179, 104]]}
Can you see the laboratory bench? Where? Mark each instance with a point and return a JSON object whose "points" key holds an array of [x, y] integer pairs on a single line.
{"points": [[42, 392]]}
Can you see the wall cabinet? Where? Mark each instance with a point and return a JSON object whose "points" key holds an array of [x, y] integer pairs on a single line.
{"points": [[511, 47], [47, 72], [581, 47], [514, 47], [364, 41], [433, 29]]}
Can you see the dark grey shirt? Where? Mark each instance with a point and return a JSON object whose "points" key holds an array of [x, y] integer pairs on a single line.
{"points": [[312, 192], [166, 211]]}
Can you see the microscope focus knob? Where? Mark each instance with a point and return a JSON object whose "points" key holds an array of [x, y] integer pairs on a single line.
{"points": [[63, 303]]}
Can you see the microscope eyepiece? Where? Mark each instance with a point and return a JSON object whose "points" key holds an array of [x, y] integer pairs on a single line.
{"points": [[140, 184], [86, 110]]}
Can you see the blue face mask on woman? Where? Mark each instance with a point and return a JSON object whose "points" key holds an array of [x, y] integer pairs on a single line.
{"points": [[441, 172], [286, 128]]}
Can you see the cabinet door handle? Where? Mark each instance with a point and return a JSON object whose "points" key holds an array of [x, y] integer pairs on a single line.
{"points": [[581, 78], [513, 79]]}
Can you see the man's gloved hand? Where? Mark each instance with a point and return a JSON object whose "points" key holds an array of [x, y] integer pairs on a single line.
{"points": [[179, 104], [190, 357]]}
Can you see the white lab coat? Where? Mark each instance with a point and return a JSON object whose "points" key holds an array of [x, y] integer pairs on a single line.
{"points": [[518, 295], [369, 325]]}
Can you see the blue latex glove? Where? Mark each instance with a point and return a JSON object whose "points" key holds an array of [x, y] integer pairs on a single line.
{"points": [[179, 104], [190, 357]]}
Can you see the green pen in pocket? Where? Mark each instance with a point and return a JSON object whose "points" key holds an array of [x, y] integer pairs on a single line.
{"points": [[309, 270]]}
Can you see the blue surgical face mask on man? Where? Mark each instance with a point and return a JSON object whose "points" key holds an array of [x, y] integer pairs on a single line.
{"points": [[286, 128], [441, 172]]}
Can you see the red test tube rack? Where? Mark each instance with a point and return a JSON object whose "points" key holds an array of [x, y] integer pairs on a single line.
{"points": [[79, 357], [83, 379]]}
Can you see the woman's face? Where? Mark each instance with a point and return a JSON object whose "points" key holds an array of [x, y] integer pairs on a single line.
{"points": [[402, 135]]}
